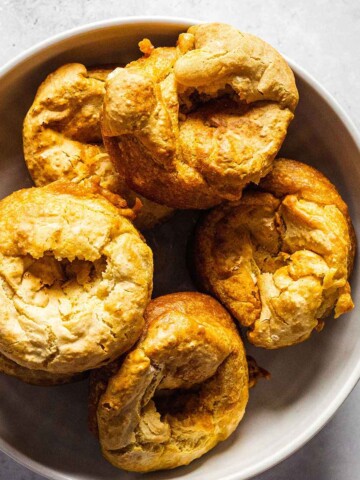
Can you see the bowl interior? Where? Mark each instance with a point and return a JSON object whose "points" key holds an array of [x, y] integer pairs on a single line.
{"points": [[46, 428]]}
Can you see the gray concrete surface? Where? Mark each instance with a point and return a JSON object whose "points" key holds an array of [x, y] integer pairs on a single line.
{"points": [[322, 36]]}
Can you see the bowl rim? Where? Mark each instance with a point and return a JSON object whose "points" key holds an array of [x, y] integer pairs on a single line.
{"points": [[348, 386]]}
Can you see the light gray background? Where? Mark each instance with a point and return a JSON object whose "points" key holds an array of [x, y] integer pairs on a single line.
{"points": [[323, 37]]}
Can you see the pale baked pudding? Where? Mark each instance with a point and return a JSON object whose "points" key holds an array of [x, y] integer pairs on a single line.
{"points": [[178, 393], [75, 278], [62, 137], [280, 258], [195, 123]]}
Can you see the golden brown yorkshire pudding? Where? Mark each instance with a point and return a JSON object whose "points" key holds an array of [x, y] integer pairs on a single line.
{"points": [[75, 278], [36, 377], [196, 123], [280, 258], [62, 137], [183, 389]]}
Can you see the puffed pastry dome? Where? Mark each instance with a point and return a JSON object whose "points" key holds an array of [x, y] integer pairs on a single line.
{"points": [[280, 258], [179, 392], [195, 123], [75, 278], [62, 137]]}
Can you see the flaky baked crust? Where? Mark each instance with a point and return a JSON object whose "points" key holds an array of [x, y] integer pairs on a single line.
{"points": [[75, 278], [280, 258], [197, 122], [183, 389], [37, 377], [62, 137]]}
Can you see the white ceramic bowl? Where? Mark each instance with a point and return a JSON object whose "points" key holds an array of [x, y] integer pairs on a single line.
{"points": [[45, 428]]}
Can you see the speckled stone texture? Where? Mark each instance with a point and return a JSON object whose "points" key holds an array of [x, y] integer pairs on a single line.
{"points": [[324, 38]]}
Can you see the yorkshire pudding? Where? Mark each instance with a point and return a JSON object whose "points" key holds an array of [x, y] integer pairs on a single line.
{"points": [[75, 278], [280, 258], [62, 137], [179, 392], [195, 123]]}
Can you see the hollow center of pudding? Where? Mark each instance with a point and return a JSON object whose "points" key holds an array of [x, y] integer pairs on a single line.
{"points": [[193, 101], [168, 415], [48, 270], [177, 402], [46, 281]]}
